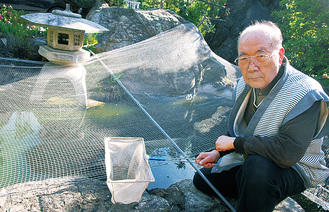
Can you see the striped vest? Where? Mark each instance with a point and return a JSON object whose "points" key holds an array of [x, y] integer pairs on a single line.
{"points": [[294, 94]]}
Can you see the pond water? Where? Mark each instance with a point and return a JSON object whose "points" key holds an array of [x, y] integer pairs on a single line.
{"points": [[59, 140]]}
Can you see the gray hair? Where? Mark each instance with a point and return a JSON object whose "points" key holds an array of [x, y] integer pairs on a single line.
{"points": [[266, 26]]}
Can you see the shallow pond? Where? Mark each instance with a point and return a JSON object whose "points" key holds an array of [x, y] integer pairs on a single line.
{"points": [[57, 140]]}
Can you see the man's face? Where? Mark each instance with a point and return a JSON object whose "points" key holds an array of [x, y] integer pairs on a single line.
{"points": [[259, 75]]}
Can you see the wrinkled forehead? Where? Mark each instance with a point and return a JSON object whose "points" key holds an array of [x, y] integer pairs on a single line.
{"points": [[256, 40]]}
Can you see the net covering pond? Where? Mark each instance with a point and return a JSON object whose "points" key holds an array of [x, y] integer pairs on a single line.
{"points": [[175, 76], [182, 84]]}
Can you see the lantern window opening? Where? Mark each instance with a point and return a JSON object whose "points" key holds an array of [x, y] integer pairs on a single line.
{"points": [[63, 39]]}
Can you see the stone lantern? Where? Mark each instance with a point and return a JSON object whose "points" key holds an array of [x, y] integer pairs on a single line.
{"points": [[64, 50]]}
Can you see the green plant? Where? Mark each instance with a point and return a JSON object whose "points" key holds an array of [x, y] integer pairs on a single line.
{"points": [[20, 30], [304, 25], [195, 11], [12, 23], [90, 41], [111, 88]]}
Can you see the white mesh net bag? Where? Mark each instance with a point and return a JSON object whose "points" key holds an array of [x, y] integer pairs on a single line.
{"points": [[127, 169]]}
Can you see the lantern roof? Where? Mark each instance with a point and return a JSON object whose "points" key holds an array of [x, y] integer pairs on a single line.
{"points": [[64, 19]]}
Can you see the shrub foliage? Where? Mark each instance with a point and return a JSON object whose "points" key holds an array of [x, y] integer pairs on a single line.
{"points": [[196, 11], [12, 23], [304, 24]]}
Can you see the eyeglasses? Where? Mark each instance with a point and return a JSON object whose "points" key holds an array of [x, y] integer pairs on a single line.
{"points": [[260, 59]]}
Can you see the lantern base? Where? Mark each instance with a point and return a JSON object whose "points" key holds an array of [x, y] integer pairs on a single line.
{"points": [[48, 77], [63, 57]]}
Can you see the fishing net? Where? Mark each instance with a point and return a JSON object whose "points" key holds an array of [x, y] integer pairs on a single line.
{"points": [[46, 130], [127, 168], [54, 119]]}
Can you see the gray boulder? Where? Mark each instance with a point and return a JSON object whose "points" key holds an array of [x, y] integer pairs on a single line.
{"points": [[85, 194], [128, 26]]}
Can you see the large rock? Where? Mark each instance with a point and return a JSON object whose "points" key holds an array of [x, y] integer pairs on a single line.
{"points": [[175, 62], [237, 15], [128, 26], [70, 194], [185, 197], [82, 194]]}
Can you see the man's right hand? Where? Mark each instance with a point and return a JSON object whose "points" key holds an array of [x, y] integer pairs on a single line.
{"points": [[208, 159]]}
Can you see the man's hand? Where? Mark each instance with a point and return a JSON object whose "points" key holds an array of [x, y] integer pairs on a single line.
{"points": [[208, 159], [224, 143]]}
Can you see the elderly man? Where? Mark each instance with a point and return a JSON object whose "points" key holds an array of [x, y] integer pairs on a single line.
{"points": [[275, 128]]}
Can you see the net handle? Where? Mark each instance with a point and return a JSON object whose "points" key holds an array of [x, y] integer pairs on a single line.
{"points": [[172, 159], [163, 132]]}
